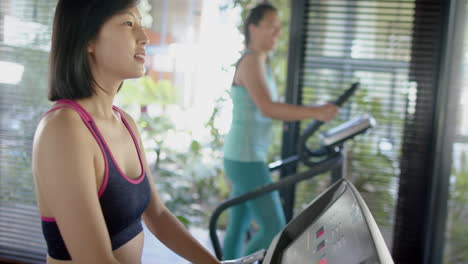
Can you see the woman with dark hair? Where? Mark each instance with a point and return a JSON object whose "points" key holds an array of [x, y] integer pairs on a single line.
{"points": [[93, 184], [255, 104]]}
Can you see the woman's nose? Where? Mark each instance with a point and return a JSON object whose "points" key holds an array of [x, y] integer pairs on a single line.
{"points": [[143, 37]]}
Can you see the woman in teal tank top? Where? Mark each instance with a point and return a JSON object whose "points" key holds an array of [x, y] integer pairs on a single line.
{"points": [[255, 104]]}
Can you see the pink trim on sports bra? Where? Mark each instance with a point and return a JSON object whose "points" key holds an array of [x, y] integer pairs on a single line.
{"points": [[65, 103], [84, 117], [47, 219], [90, 118], [87, 119], [135, 141]]}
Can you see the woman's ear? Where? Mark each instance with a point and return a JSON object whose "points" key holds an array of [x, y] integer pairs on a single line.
{"points": [[90, 47], [252, 28]]}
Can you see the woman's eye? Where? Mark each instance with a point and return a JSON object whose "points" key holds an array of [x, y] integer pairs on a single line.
{"points": [[128, 23]]}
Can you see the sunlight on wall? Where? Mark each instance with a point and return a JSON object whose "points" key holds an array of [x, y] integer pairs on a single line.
{"points": [[208, 69], [197, 56], [21, 33], [219, 48], [10, 72]]}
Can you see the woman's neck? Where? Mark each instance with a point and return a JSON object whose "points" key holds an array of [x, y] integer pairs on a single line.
{"points": [[257, 49], [99, 105]]}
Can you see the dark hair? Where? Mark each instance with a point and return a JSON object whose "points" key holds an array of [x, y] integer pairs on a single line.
{"points": [[256, 15], [75, 24]]}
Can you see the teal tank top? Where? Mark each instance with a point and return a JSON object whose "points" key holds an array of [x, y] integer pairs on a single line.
{"points": [[250, 133]]}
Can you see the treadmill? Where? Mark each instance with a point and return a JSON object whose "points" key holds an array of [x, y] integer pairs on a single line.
{"points": [[336, 228]]}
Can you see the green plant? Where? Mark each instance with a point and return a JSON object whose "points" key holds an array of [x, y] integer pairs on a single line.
{"points": [[189, 177], [145, 91], [456, 239]]}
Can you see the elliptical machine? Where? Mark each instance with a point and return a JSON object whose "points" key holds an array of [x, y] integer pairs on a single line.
{"points": [[327, 157]]}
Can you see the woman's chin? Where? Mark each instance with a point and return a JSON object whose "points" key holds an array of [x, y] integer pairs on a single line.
{"points": [[272, 46], [137, 74], [133, 76]]}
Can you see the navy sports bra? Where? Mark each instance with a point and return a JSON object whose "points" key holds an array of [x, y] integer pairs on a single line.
{"points": [[123, 200]]}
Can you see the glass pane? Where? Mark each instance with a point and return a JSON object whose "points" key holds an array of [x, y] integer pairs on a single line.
{"points": [[366, 29], [25, 31], [456, 244], [24, 45], [462, 122]]}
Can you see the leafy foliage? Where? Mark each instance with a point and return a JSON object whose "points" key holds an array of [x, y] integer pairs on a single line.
{"points": [[188, 170], [457, 242]]}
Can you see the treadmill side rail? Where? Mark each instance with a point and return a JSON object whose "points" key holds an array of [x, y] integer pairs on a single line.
{"points": [[379, 242]]}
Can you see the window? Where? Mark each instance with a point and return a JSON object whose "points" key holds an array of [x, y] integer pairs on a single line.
{"points": [[392, 49], [456, 233], [25, 30]]}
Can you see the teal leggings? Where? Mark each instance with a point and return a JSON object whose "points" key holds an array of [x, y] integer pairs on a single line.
{"points": [[266, 210]]}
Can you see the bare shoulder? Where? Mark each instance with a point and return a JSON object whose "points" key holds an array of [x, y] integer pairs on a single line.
{"points": [[63, 155], [249, 67], [60, 135], [249, 60], [61, 122]]}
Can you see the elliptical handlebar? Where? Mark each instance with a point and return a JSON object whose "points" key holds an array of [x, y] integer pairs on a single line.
{"points": [[305, 152], [348, 93]]}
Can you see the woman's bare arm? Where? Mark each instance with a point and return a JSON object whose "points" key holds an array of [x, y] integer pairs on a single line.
{"points": [[250, 74], [64, 172]]}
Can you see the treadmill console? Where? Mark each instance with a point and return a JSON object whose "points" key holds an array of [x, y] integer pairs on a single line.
{"points": [[340, 235], [337, 227]]}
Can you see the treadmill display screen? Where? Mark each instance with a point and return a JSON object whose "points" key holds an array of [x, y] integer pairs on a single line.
{"points": [[339, 235]]}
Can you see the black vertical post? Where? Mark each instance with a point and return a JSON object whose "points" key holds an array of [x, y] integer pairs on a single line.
{"points": [[293, 96], [451, 79], [418, 140]]}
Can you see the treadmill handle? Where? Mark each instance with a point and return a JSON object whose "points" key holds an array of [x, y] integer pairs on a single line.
{"points": [[305, 152]]}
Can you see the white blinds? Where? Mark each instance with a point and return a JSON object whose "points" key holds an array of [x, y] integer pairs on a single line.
{"points": [[25, 30], [374, 42]]}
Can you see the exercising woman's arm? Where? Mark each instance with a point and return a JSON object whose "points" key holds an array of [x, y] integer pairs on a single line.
{"points": [[250, 74]]}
